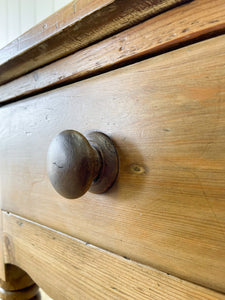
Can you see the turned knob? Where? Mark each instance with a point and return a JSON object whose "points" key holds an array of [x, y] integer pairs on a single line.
{"points": [[76, 164]]}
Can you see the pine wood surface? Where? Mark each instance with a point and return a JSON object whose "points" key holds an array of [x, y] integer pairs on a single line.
{"points": [[28, 293], [15, 278], [16, 284], [77, 270], [2, 267], [182, 24], [74, 28], [166, 116]]}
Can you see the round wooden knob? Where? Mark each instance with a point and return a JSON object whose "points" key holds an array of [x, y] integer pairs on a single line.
{"points": [[76, 164]]}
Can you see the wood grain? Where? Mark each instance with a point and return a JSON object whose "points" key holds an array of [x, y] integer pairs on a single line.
{"points": [[72, 29], [15, 278], [166, 117], [49, 26], [2, 266], [16, 284], [177, 26], [77, 270], [28, 293]]}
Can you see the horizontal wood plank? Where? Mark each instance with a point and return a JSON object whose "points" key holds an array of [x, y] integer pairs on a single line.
{"points": [[74, 28], [77, 270], [166, 117], [182, 24], [52, 25]]}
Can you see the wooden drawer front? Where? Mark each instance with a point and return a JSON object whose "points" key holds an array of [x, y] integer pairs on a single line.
{"points": [[166, 116]]}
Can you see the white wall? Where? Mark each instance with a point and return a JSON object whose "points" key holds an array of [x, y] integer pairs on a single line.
{"points": [[17, 16]]}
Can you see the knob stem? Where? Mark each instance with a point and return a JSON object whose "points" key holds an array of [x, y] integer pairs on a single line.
{"points": [[97, 163], [76, 164]]}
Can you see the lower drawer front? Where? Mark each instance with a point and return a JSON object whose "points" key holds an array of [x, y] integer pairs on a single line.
{"points": [[166, 117]]}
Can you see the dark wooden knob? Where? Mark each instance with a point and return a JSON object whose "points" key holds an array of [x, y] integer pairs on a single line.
{"points": [[76, 164]]}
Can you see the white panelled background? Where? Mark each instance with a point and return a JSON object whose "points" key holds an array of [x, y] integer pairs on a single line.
{"points": [[17, 16]]}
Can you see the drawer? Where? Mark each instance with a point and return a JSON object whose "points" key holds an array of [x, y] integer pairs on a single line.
{"points": [[166, 118]]}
